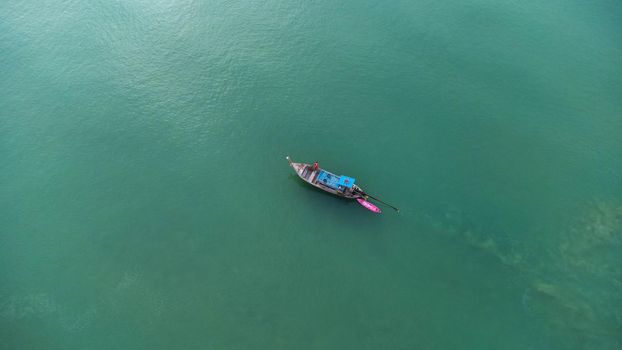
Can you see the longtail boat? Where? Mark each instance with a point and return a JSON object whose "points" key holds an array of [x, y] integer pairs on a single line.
{"points": [[339, 185]]}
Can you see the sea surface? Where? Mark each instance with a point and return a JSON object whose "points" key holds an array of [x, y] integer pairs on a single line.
{"points": [[146, 203]]}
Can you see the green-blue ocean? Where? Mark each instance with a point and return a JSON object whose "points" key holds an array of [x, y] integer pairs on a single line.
{"points": [[146, 202]]}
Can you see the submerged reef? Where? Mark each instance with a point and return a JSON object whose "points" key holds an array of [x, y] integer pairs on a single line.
{"points": [[572, 276]]}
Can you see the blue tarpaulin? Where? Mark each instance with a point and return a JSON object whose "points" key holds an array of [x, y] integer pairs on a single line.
{"points": [[346, 181], [334, 181], [328, 179]]}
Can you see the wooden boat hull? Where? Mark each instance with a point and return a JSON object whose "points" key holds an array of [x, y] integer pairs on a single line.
{"points": [[309, 175]]}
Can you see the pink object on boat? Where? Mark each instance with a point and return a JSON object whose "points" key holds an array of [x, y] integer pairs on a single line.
{"points": [[368, 205]]}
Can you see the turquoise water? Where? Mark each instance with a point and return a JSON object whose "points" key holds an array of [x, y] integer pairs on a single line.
{"points": [[146, 202]]}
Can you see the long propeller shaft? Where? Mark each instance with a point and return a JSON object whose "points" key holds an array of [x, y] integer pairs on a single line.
{"points": [[385, 203]]}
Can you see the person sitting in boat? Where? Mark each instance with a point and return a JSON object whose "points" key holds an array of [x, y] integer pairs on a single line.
{"points": [[315, 166]]}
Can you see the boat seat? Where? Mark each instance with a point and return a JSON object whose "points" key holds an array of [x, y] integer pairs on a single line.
{"points": [[313, 176]]}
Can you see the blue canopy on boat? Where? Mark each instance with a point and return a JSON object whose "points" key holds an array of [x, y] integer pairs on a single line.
{"points": [[346, 181], [328, 179], [334, 181]]}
